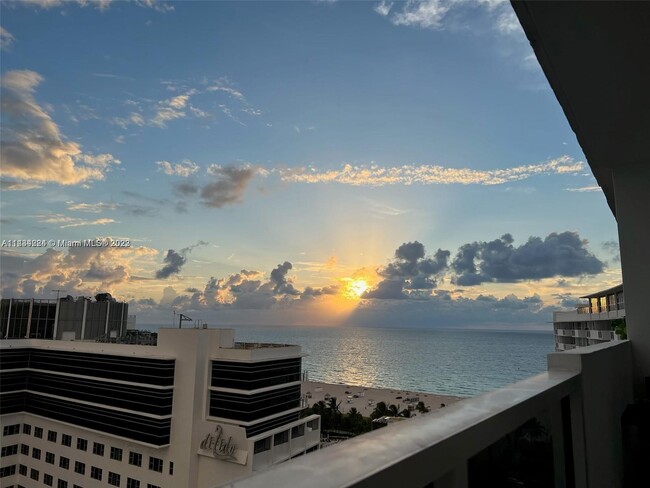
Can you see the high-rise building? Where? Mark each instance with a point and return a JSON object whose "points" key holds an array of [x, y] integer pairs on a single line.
{"points": [[590, 323], [66, 318], [197, 409]]}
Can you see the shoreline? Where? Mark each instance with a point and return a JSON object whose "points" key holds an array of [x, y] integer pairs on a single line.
{"points": [[367, 397]]}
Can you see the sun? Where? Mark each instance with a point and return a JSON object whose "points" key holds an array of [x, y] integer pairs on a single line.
{"points": [[354, 289]]}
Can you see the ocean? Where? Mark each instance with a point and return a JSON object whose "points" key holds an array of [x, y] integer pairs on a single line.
{"points": [[458, 362]]}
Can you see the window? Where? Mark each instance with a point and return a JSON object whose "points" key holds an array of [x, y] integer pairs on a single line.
{"points": [[82, 444], [262, 445], [66, 440], [34, 474], [135, 459], [49, 457], [9, 450], [155, 464], [51, 436], [131, 483], [27, 429], [48, 480], [298, 431], [149, 485], [171, 467], [116, 453], [8, 471], [22, 470], [98, 448], [24, 449], [113, 479], [64, 462], [96, 473], [312, 425], [36, 453], [11, 429], [79, 467], [62, 484], [281, 438], [38, 432]]}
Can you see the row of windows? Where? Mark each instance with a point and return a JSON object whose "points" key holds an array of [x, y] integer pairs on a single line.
{"points": [[113, 479], [282, 437], [135, 458], [130, 425], [250, 376], [253, 407]]}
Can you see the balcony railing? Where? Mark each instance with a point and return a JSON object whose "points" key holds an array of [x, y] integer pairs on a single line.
{"points": [[581, 397]]}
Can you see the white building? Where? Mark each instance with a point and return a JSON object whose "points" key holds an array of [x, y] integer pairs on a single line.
{"points": [[591, 323], [196, 410]]}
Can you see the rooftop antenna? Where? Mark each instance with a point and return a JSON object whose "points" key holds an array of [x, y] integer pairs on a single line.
{"points": [[58, 292], [183, 318]]}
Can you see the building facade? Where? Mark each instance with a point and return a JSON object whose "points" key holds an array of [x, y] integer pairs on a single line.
{"points": [[590, 323], [196, 410], [66, 318]]}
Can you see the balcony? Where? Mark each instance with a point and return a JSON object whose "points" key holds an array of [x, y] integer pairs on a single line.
{"points": [[448, 447]]}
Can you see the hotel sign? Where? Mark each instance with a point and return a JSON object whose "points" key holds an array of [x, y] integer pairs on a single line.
{"points": [[217, 445]]}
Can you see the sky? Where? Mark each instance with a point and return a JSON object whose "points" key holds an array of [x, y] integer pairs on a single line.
{"points": [[283, 163]]}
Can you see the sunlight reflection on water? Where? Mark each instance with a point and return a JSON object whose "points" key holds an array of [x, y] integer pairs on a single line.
{"points": [[451, 362]]}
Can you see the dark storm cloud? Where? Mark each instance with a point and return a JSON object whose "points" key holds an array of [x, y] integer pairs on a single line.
{"points": [[174, 260], [499, 261]]}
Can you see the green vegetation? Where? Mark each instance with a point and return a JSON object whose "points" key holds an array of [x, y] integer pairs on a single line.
{"points": [[353, 423], [620, 328]]}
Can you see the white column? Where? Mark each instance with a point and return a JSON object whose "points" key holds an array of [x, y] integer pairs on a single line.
{"points": [[632, 192]]}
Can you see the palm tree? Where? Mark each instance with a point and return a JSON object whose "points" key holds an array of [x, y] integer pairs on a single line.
{"points": [[393, 411], [422, 408], [381, 410]]}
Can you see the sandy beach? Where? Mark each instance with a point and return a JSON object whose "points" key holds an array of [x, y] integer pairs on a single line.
{"points": [[364, 398]]}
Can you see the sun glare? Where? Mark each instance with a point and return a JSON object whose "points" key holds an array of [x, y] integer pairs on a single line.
{"points": [[355, 289]]}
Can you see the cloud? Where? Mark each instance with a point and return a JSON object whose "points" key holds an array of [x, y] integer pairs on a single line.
{"points": [[7, 185], [383, 8], [6, 39], [229, 185], [98, 207], [508, 23], [185, 168], [101, 5], [558, 254], [584, 189], [281, 283], [613, 248], [32, 147], [174, 260], [410, 273], [443, 310], [71, 222], [376, 176], [78, 270], [427, 13]]}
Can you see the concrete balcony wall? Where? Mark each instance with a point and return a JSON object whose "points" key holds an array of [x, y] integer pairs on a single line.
{"points": [[436, 447]]}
